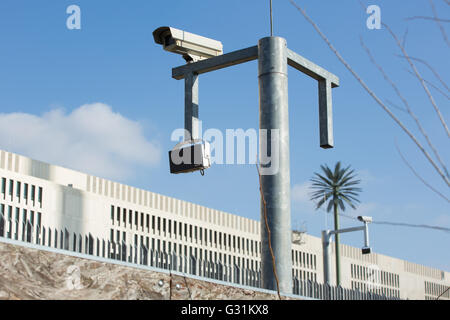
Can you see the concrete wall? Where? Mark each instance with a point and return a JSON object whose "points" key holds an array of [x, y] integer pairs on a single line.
{"points": [[28, 273]]}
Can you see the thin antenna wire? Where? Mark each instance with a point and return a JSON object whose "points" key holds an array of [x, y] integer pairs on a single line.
{"points": [[271, 20]]}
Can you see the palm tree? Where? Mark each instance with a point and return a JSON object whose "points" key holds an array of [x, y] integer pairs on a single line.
{"points": [[338, 188]]}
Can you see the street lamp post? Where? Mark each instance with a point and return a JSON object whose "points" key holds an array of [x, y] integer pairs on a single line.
{"points": [[273, 58], [326, 241]]}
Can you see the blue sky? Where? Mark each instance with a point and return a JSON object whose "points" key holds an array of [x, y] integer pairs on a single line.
{"points": [[58, 84]]}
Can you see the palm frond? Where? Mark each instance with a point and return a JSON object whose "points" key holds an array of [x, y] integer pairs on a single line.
{"points": [[347, 177], [352, 183], [320, 203], [340, 174], [330, 205], [350, 191], [341, 204], [327, 172], [325, 180], [349, 203], [337, 169], [316, 195]]}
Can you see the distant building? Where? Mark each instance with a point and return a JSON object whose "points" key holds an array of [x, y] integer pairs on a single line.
{"points": [[61, 208]]}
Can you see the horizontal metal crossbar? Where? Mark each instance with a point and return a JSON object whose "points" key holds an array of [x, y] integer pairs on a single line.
{"points": [[310, 68], [248, 54], [216, 63], [362, 228]]}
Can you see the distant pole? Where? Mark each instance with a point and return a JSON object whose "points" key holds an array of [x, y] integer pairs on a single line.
{"points": [[326, 239], [326, 257], [273, 114], [337, 246]]}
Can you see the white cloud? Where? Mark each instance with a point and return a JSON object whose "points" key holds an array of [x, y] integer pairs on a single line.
{"points": [[365, 176], [92, 138], [300, 195], [300, 192]]}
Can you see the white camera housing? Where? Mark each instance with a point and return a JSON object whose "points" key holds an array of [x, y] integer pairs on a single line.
{"points": [[365, 219], [191, 46], [193, 157]]}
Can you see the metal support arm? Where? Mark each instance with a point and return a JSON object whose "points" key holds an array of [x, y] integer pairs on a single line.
{"points": [[326, 81], [216, 63], [191, 124], [347, 230], [326, 236]]}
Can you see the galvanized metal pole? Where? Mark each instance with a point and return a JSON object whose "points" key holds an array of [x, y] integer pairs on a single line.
{"points": [[325, 114], [191, 123], [271, 20], [273, 114], [337, 247], [366, 235]]}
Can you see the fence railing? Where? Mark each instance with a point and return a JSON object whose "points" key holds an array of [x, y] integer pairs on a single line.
{"points": [[324, 291]]}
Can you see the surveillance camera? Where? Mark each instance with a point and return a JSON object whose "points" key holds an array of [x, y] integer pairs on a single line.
{"points": [[194, 157], [191, 46], [365, 219], [366, 250]]}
